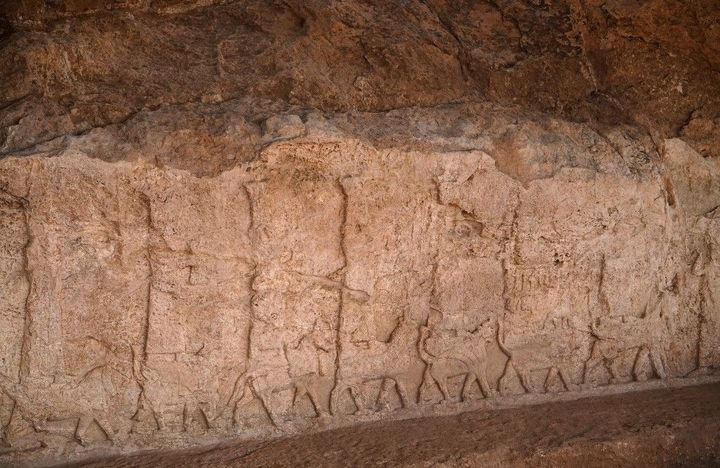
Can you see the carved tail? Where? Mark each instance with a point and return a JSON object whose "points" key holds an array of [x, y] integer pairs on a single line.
{"points": [[424, 355], [501, 340]]}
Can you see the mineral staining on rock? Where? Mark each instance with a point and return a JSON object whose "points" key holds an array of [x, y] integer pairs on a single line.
{"points": [[333, 276]]}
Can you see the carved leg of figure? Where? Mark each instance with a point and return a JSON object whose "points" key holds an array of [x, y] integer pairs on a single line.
{"points": [[612, 365], [524, 380], [588, 368], [321, 410], [205, 417], [83, 424], [106, 428], [335, 399], [657, 361], [266, 400], [487, 390], [302, 390], [569, 385], [596, 360], [159, 422], [642, 354], [470, 377], [385, 386], [407, 399], [441, 381], [551, 375], [355, 395], [186, 417], [506, 375], [361, 405], [245, 398], [430, 377], [299, 391]]}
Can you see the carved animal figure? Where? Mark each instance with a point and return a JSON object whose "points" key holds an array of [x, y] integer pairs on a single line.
{"points": [[555, 351], [94, 398], [449, 353], [174, 389], [308, 371], [312, 368], [304, 365], [396, 362], [619, 335]]}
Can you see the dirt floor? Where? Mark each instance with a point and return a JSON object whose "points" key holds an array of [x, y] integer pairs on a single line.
{"points": [[674, 427]]}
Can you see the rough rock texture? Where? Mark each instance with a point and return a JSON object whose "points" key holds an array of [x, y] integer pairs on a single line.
{"points": [[69, 66], [252, 219]]}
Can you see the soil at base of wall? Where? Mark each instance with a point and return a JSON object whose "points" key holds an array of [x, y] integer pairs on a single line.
{"points": [[668, 427]]}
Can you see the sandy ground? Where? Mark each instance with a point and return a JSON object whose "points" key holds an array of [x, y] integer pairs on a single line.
{"points": [[674, 427]]}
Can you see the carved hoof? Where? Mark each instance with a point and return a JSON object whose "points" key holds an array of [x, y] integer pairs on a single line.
{"points": [[382, 408]]}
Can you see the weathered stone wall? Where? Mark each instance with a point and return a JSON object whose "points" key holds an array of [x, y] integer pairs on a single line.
{"points": [[255, 218], [335, 278]]}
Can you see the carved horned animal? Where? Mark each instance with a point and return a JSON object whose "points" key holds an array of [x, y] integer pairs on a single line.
{"points": [[177, 388]]}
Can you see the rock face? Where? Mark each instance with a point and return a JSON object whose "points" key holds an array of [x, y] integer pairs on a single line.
{"points": [[242, 233]]}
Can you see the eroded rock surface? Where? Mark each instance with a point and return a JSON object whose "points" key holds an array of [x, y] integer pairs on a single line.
{"points": [[655, 428], [248, 234]]}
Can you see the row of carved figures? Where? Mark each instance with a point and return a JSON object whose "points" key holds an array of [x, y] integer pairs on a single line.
{"points": [[415, 355]]}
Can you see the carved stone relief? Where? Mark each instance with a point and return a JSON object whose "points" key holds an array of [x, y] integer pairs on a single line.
{"points": [[332, 282]]}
